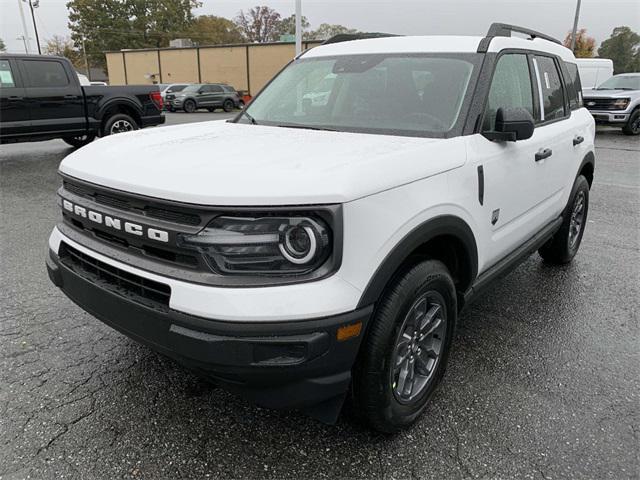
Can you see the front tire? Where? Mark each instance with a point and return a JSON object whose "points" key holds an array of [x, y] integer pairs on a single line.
{"points": [[119, 123], [632, 127], [228, 105], [564, 245], [79, 141], [404, 355], [189, 106]]}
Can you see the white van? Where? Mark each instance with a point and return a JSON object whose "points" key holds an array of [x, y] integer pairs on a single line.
{"points": [[594, 71]]}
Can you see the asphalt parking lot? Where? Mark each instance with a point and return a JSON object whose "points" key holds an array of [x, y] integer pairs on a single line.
{"points": [[543, 381]]}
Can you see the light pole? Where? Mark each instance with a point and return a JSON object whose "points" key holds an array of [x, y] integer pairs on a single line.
{"points": [[575, 27], [35, 4], [298, 27], [25, 33]]}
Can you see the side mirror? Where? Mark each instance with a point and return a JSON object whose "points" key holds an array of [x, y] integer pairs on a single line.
{"points": [[512, 124], [201, 90]]}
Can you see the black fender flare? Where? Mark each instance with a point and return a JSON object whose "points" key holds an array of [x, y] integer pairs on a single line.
{"points": [[589, 158], [432, 228], [103, 108]]}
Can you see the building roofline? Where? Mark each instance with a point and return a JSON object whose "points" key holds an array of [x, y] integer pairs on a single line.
{"points": [[218, 45]]}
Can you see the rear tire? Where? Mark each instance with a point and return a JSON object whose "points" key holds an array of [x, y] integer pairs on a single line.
{"points": [[404, 355], [79, 141], [228, 105], [632, 127], [211, 109], [189, 106], [119, 123], [564, 245]]}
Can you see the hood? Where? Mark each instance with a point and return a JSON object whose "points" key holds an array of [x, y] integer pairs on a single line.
{"points": [[220, 163], [611, 93]]}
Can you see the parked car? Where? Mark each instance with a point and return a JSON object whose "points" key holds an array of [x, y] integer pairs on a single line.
{"points": [[305, 253], [166, 88], [594, 71], [616, 102], [204, 95], [41, 99]]}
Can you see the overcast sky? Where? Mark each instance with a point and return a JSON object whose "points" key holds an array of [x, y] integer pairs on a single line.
{"points": [[412, 17]]}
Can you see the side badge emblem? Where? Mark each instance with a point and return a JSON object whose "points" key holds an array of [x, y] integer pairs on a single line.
{"points": [[494, 216]]}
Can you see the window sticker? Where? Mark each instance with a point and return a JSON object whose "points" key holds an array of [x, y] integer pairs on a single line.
{"points": [[6, 77], [546, 80]]}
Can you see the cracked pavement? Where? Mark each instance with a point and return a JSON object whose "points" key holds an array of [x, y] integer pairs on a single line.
{"points": [[542, 381]]}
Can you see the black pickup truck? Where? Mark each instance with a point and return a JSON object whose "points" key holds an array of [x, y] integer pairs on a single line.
{"points": [[41, 99]]}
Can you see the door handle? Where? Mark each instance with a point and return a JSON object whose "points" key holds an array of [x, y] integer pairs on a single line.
{"points": [[577, 140], [543, 153], [71, 97], [15, 98]]}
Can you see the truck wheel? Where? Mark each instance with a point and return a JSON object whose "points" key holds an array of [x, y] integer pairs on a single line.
{"points": [[563, 246], [632, 127], [119, 123], [404, 354], [211, 109], [228, 105], [80, 140], [189, 106]]}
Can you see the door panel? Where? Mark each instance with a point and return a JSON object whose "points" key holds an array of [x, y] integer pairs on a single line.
{"points": [[56, 103], [14, 112]]}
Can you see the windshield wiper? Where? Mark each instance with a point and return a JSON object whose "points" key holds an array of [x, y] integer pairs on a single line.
{"points": [[307, 127], [251, 119]]}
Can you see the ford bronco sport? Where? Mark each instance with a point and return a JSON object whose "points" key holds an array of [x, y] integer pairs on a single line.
{"points": [[307, 252]]}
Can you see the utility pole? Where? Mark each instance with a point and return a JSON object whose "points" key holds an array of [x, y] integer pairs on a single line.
{"points": [[35, 27], [25, 33], [24, 40], [298, 27], [86, 60], [575, 27]]}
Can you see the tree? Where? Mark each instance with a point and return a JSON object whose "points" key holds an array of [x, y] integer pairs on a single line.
{"points": [[259, 24], [117, 24], [287, 26], [623, 47], [3, 47], [326, 30], [585, 46], [211, 30], [64, 47]]}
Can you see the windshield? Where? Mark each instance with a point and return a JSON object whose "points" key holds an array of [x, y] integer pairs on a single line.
{"points": [[176, 88], [418, 95], [621, 82]]}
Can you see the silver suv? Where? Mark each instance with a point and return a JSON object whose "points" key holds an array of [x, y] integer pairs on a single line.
{"points": [[616, 102]]}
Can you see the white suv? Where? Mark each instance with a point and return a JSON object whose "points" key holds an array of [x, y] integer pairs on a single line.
{"points": [[306, 251]]}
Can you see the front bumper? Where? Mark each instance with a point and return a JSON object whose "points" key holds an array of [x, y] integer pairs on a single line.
{"points": [[291, 364], [608, 118]]}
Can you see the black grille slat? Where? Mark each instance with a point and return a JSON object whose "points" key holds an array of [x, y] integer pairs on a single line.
{"points": [[123, 203], [600, 103], [144, 291]]}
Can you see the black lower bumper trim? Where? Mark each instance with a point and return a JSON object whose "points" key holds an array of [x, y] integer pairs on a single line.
{"points": [[293, 364]]}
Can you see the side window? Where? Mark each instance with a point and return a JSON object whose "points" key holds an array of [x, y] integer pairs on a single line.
{"points": [[510, 88], [549, 89], [574, 88], [6, 75], [215, 88], [44, 73]]}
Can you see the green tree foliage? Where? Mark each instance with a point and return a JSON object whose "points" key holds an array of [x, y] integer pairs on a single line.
{"points": [[64, 47], [211, 30], [3, 47], [259, 24], [287, 25], [117, 24], [585, 46], [326, 30], [623, 47]]}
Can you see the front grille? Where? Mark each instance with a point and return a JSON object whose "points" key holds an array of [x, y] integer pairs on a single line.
{"points": [[601, 104], [147, 208], [133, 287]]}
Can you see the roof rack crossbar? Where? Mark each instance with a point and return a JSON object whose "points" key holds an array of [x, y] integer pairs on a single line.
{"points": [[347, 37], [505, 30]]}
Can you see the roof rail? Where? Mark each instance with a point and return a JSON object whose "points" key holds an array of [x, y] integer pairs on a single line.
{"points": [[347, 37], [505, 30]]}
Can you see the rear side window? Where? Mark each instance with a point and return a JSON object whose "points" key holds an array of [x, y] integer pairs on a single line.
{"points": [[6, 75], [43, 73], [574, 88], [215, 88], [510, 88], [228, 89], [549, 89]]}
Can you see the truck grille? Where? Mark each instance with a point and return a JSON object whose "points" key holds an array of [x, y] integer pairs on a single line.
{"points": [[138, 289], [600, 103], [124, 203]]}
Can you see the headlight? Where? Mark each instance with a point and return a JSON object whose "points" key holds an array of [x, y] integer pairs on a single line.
{"points": [[263, 245], [621, 103]]}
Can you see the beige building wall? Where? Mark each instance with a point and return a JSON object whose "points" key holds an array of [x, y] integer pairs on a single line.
{"points": [[265, 61], [179, 65], [142, 67], [224, 65], [115, 69]]}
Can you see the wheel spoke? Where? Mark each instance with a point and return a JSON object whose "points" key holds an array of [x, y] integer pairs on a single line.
{"points": [[420, 309], [425, 361], [402, 378], [409, 379]]}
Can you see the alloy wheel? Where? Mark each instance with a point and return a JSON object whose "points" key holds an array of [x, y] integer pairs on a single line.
{"points": [[121, 126], [419, 347], [577, 219]]}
